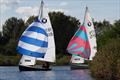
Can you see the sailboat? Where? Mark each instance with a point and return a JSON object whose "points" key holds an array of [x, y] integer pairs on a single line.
{"points": [[37, 43], [83, 45]]}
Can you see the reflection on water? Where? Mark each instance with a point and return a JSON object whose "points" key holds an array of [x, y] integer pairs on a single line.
{"points": [[58, 73]]}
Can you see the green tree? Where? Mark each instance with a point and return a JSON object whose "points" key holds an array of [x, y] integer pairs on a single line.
{"points": [[106, 62], [30, 20], [117, 28], [64, 28], [113, 31], [102, 27], [12, 28]]}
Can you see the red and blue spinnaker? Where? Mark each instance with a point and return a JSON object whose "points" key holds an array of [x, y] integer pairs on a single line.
{"points": [[79, 44]]}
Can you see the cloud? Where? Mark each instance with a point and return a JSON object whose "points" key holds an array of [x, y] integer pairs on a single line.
{"points": [[58, 10], [8, 4], [63, 3], [27, 10]]}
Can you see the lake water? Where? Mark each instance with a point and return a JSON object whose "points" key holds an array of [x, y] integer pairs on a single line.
{"points": [[58, 73]]}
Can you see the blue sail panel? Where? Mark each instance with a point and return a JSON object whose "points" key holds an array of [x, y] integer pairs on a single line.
{"points": [[37, 29], [30, 53], [34, 41], [34, 46]]}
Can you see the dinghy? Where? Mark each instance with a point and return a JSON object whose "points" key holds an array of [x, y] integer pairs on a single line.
{"points": [[83, 45], [37, 43]]}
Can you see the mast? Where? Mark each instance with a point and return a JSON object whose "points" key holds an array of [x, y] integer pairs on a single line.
{"points": [[40, 14], [85, 15]]}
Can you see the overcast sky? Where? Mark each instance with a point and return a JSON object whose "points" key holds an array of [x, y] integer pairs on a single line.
{"points": [[99, 9]]}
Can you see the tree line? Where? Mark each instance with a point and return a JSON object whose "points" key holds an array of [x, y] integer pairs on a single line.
{"points": [[64, 28]]}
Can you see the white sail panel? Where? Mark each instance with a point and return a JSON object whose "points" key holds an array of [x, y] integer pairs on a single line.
{"points": [[27, 60], [77, 59], [32, 47], [35, 35], [90, 33], [49, 57], [50, 54]]}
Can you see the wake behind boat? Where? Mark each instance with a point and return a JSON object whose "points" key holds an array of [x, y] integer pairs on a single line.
{"points": [[37, 43]]}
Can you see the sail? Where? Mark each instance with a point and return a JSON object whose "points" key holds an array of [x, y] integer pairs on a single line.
{"points": [[90, 33], [50, 53], [77, 59], [27, 60], [34, 40], [83, 43], [79, 44]]}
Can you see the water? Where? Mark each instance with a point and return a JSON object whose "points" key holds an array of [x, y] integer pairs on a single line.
{"points": [[58, 73]]}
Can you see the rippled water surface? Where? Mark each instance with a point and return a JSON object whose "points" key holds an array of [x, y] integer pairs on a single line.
{"points": [[57, 73]]}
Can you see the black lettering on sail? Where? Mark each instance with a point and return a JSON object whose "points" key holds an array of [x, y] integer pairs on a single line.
{"points": [[27, 60], [92, 34], [44, 20], [48, 30], [89, 24], [50, 34], [77, 58], [95, 47]]}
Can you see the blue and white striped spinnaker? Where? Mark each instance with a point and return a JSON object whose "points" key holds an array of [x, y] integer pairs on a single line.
{"points": [[34, 40]]}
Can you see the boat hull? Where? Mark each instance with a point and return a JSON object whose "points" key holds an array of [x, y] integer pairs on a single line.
{"points": [[81, 66], [26, 68]]}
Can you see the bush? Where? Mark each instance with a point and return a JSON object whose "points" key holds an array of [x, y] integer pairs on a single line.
{"points": [[9, 60], [118, 69], [64, 60], [106, 64]]}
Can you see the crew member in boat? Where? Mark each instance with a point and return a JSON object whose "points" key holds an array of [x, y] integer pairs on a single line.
{"points": [[46, 65]]}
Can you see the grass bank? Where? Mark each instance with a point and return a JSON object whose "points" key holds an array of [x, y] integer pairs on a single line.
{"points": [[9, 60], [14, 60]]}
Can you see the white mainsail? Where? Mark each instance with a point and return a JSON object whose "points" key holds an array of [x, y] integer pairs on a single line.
{"points": [[90, 33], [50, 54]]}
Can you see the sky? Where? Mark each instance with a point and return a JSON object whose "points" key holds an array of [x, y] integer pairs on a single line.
{"points": [[99, 9]]}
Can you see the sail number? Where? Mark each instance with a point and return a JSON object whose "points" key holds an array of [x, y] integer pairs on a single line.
{"points": [[92, 34], [49, 31]]}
